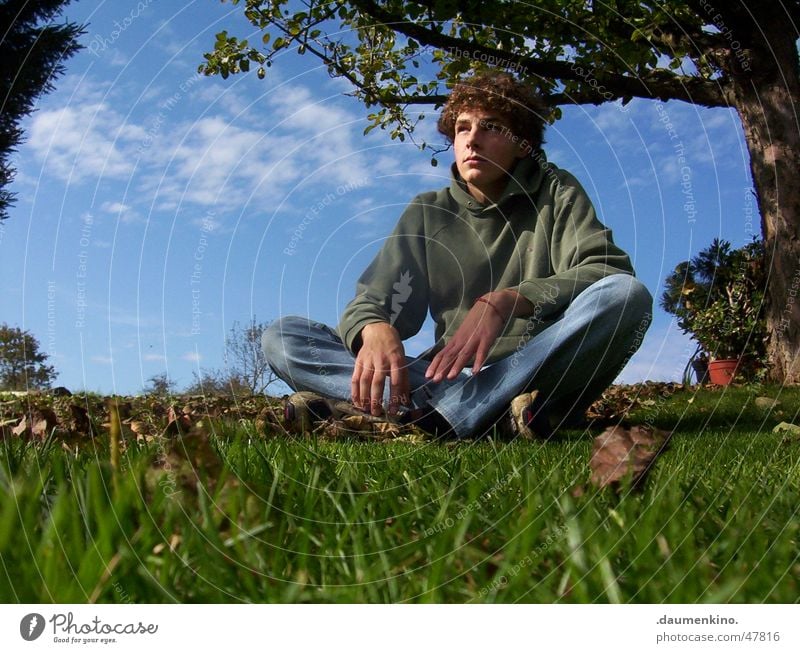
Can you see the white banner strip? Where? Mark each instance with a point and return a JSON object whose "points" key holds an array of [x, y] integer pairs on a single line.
{"points": [[401, 628]]}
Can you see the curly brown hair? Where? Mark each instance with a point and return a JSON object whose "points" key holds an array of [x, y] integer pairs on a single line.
{"points": [[519, 104]]}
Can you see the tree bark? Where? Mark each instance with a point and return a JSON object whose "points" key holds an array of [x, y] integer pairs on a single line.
{"points": [[767, 98]]}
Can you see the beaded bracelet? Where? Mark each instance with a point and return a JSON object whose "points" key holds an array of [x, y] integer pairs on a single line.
{"points": [[496, 310]]}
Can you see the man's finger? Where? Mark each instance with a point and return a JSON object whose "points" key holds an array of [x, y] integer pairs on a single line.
{"points": [[438, 365], [355, 386], [480, 357], [458, 364], [376, 393], [434, 366], [447, 361], [365, 388], [398, 388]]}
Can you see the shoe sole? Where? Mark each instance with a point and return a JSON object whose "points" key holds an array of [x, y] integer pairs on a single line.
{"points": [[529, 417], [304, 409]]}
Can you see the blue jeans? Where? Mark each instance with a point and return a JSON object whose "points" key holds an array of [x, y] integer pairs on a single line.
{"points": [[571, 361]]}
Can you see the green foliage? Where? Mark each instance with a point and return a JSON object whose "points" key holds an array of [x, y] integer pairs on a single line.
{"points": [[32, 54], [397, 54], [305, 520], [718, 298], [22, 364], [160, 385]]}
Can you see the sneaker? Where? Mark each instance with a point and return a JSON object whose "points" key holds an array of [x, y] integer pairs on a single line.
{"points": [[528, 417], [304, 411]]}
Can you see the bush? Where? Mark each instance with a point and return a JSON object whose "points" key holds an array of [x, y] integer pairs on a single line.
{"points": [[718, 298]]}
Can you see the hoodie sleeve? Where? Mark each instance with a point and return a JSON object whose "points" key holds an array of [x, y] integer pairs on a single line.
{"points": [[582, 251], [394, 288]]}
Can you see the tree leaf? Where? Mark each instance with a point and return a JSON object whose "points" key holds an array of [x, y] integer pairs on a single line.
{"points": [[620, 452]]}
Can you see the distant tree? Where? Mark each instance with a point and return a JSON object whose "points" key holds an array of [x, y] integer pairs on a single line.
{"points": [[217, 382], [244, 357], [32, 55], [246, 371], [22, 364], [160, 385]]}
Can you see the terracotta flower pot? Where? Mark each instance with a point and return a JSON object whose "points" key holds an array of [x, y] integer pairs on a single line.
{"points": [[722, 371]]}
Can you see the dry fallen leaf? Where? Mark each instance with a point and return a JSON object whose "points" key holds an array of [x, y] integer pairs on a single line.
{"points": [[618, 400], [20, 428], [79, 420], [786, 427], [792, 432], [177, 423], [620, 451], [386, 429], [360, 423], [38, 423]]}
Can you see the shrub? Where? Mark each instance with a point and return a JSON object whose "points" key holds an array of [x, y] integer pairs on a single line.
{"points": [[718, 299]]}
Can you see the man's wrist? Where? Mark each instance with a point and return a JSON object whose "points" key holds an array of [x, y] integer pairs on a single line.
{"points": [[358, 340], [374, 327], [377, 330], [509, 303], [497, 310]]}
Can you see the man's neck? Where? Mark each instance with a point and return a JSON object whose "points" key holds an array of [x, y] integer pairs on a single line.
{"points": [[486, 196]]}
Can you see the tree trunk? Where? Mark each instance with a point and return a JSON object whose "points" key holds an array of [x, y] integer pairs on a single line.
{"points": [[767, 98]]}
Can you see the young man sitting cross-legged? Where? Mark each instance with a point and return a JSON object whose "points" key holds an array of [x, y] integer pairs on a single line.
{"points": [[536, 308]]}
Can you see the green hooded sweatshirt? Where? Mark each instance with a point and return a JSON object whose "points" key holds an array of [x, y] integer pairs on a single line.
{"points": [[541, 238]]}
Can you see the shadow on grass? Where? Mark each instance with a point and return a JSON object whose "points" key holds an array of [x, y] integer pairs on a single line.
{"points": [[748, 407]]}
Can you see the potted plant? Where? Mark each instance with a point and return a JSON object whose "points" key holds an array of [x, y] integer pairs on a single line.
{"points": [[718, 298]]}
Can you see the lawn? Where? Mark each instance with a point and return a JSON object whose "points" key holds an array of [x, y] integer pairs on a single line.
{"points": [[244, 516]]}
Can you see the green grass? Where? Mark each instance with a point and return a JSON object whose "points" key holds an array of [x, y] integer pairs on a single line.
{"points": [[283, 521]]}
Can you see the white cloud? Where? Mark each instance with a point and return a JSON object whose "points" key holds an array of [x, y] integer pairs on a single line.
{"points": [[192, 357], [124, 212], [76, 148], [325, 131], [225, 97], [214, 163], [217, 160], [115, 207], [616, 122]]}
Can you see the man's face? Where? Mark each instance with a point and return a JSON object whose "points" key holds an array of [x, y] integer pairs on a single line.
{"points": [[486, 150]]}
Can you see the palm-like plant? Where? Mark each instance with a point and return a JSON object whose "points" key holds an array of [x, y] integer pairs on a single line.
{"points": [[718, 298]]}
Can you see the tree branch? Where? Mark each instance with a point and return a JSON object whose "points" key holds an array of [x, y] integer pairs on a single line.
{"points": [[656, 84]]}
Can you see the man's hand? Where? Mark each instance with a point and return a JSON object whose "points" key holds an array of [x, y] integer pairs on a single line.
{"points": [[381, 355], [475, 336]]}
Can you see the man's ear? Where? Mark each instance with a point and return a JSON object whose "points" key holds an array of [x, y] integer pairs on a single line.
{"points": [[525, 149]]}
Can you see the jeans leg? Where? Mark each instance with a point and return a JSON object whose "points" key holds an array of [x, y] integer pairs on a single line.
{"points": [[309, 355], [572, 361]]}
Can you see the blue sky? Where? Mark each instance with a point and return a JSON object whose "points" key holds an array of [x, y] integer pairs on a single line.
{"points": [[157, 207]]}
